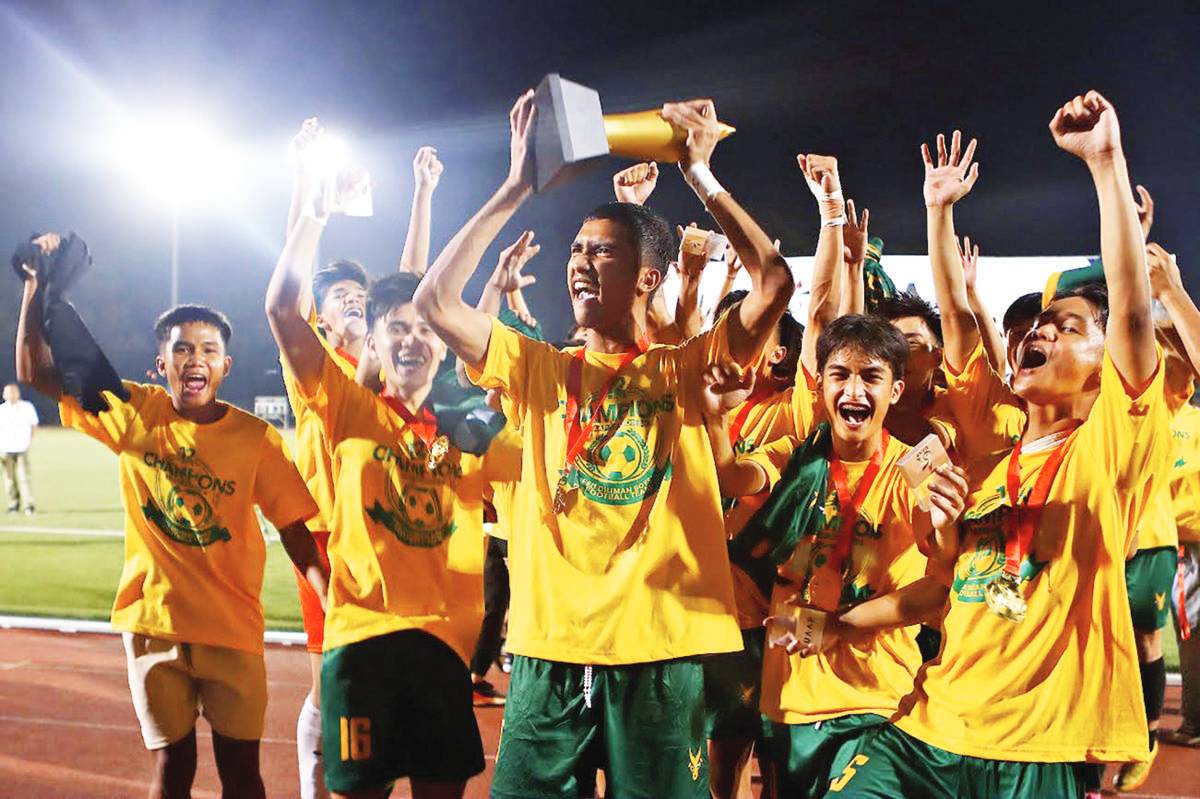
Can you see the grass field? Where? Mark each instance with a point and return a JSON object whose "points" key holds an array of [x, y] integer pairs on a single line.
{"points": [[71, 567], [60, 572]]}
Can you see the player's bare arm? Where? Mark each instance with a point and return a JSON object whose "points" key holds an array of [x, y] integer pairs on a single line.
{"points": [[855, 234], [439, 299], [427, 172], [35, 365], [947, 181], [1166, 283], [725, 388], [772, 287], [1087, 128], [821, 175], [287, 292], [993, 342], [298, 543]]}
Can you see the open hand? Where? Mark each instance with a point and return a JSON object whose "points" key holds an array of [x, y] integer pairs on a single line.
{"points": [[427, 169], [636, 183], [970, 261], [513, 258], [698, 118], [725, 387], [953, 176], [520, 150], [1087, 127]]}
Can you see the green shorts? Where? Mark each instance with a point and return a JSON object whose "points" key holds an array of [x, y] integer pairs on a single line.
{"points": [[397, 705], [732, 687], [643, 724], [1149, 575], [808, 756], [890, 763]]}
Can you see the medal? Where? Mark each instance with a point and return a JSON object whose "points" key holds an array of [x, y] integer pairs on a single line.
{"points": [[576, 432], [1003, 593], [1003, 597], [437, 453]]}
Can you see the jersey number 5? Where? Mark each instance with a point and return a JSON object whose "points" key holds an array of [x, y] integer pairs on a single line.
{"points": [[848, 773]]}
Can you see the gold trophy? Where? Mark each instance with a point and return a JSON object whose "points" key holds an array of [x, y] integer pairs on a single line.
{"points": [[571, 129]]}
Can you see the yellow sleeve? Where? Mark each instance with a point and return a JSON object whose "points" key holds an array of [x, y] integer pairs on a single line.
{"points": [[502, 461], [772, 458], [108, 427], [334, 398], [980, 401], [804, 404], [510, 362], [1128, 439], [279, 490]]}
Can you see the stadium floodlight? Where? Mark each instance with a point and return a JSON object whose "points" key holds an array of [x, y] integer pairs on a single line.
{"points": [[177, 160]]}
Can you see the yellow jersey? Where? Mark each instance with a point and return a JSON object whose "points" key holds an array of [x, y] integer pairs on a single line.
{"points": [[1061, 685], [980, 401], [787, 413], [860, 677], [406, 542], [194, 551], [635, 569], [312, 455], [1158, 527], [1185, 473]]}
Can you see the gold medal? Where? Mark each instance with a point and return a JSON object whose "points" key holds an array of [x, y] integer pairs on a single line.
{"points": [[1003, 597], [437, 453]]}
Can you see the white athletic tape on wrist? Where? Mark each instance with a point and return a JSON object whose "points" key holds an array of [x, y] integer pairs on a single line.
{"points": [[702, 181], [835, 222], [828, 196]]}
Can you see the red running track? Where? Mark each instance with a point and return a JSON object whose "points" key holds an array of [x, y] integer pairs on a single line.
{"points": [[69, 732]]}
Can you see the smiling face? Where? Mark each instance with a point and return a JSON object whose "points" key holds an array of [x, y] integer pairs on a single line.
{"points": [[408, 349], [1060, 357], [924, 351], [605, 276], [194, 362], [343, 312], [857, 389]]}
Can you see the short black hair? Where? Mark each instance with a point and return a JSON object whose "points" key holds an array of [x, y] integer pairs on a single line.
{"points": [[651, 232], [869, 334], [390, 292], [1023, 309], [908, 303], [182, 314], [336, 272], [1096, 294]]}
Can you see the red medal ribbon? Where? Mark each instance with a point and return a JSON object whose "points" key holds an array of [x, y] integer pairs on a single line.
{"points": [[577, 433], [349, 358], [1026, 518], [849, 506], [425, 426], [759, 396]]}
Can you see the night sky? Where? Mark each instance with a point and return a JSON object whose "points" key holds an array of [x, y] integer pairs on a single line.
{"points": [[865, 82]]}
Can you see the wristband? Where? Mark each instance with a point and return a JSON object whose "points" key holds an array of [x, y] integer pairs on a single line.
{"points": [[834, 222], [827, 196], [702, 181]]}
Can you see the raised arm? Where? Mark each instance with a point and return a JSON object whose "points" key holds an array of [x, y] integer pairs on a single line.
{"points": [[287, 294], [772, 279], [821, 175], [305, 185], [635, 184], [725, 388], [946, 183], [439, 298], [35, 366], [1087, 128], [854, 254], [427, 171], [1167, 285], [993, 342]]}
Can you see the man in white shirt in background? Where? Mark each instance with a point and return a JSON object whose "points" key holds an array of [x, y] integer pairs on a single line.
{"points": [[17, 420]]}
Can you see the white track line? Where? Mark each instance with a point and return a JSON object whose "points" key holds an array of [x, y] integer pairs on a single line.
{"points": [[104, 628], [85, 531]]}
